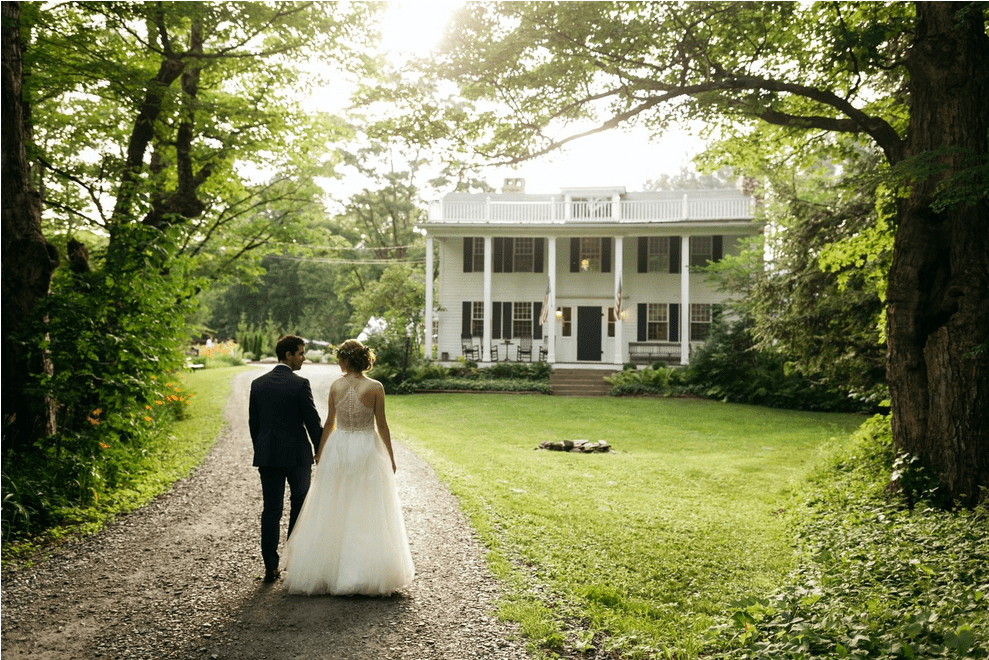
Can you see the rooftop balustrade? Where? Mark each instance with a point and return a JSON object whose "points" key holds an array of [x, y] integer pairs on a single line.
{"points": [[557, 210]]}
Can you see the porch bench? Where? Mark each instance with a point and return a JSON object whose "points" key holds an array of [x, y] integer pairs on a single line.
{"points": [[649, 352]]}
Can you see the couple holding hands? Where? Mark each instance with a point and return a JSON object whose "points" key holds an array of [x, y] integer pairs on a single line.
{"points": [[346, 531]]}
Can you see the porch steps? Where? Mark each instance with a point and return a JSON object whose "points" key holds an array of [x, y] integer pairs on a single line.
{"points": [[579, 382]]}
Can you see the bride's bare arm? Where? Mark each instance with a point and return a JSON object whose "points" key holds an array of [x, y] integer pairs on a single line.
{"points": [[382, 421], [331, 418]]}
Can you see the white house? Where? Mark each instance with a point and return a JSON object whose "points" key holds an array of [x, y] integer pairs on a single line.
{"points": [[588, 252]]}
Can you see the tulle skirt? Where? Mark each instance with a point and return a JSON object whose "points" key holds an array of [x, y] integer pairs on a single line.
{"points": [[350, 535]]}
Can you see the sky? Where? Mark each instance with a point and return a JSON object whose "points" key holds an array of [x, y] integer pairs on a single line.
{"points": [[612, 158]]}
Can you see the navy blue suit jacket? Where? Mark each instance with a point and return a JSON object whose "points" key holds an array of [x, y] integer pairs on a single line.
{"points": [[282, 412]]}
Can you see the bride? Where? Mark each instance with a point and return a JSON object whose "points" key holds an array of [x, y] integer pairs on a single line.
{"points": [[350, 536]]}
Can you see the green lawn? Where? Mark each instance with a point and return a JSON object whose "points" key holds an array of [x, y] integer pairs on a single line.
{"points": [[635, 551]]}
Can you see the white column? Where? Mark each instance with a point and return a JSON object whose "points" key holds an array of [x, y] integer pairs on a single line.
{"points": [[488, 267], [551, 324], [684, 299], [619, 260], [428, 316]]}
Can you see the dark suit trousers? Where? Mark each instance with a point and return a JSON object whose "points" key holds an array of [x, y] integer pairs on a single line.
{"points": [[273, 491]]}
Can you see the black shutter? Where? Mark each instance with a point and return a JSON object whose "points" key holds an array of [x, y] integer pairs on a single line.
{"points": [[538, 247], [674, 321], [465, 321], [537, 329], [499, 254], [509, 255], [717, 248], [574, 255], [674, 254], [606, 254], [506, 320], [496, 320], [468, 254], [641, 322], [643, 254]]}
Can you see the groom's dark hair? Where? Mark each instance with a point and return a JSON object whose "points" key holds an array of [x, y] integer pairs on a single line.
{"points": [[288, 344]]}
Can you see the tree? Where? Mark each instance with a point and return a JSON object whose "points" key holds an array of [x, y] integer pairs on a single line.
{"points": [[28, 259], [188, 115], [913, 79], [824, 319]]}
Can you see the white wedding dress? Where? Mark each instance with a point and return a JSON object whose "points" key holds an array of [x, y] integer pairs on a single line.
{"points": [[350, 536]]}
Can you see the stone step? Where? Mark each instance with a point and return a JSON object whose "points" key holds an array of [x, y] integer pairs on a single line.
{"points": [[579, 382]]}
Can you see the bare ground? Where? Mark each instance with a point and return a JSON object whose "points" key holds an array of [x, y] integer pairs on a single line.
{"points": [[181, 578]]}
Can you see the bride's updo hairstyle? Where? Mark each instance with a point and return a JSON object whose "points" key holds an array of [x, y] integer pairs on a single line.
{"points": [[355, 356]]}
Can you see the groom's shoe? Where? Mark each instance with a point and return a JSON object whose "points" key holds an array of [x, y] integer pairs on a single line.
{"points": [[271, 574]]}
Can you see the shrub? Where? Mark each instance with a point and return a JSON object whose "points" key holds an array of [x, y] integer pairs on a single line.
{"points": [[658, 379], [485, 385], [729, 367], [517, 370]]}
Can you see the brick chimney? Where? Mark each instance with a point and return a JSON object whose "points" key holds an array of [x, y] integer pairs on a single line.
{"points": [[513, 186]]}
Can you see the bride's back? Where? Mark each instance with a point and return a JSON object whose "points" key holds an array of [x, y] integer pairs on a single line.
{"points": [[354, 399]]}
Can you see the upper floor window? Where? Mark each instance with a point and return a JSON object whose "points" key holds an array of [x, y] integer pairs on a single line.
{"points": [[700, 322], [524, 250], [479, 252], [657, 322], [701, 250], [590, 255], [658, 258]]}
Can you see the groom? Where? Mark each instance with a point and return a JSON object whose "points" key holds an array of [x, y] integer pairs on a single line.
{"points": [[281, 413]]}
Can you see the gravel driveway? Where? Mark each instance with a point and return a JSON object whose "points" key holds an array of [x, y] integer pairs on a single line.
{"points": [[181, 578]]}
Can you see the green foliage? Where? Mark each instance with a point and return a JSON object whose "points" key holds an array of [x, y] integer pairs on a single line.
{"points": [[536, 371], [730, 367], [820, 300], [175, 123], [398, 297], [499, 377], [484, 385], [876, 580], [176, 448], [258, 340], [657, 379], [115, 334]]}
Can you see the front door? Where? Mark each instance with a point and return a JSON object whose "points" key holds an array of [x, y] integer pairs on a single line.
{"points": [[589, 333]]}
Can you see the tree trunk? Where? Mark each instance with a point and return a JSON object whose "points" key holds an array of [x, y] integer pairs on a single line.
{"points": [[28, 259], [938, 294]]}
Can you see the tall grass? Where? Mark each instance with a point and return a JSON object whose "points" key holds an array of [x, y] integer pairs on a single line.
{"points": [[635, 552]]}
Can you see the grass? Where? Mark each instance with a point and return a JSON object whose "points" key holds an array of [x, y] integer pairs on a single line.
{"points": [[639, 552], [171, 458]]}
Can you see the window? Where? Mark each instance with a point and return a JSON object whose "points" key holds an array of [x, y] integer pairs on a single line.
{"points": [[700, 322], [477, 319], [659, 254], [590, 255], [524, 249], [701, 250], [657, 322], [478, 254], [521, 319], [611, 321], [566, 321]]}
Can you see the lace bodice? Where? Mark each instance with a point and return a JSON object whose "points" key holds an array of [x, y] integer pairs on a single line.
{"points": [[352, 414]]}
